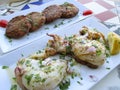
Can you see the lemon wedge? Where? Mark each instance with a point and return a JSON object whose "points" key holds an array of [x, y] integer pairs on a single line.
{"points": [[114, 43]]}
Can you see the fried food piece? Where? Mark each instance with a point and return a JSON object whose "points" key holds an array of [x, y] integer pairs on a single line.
{"points": [[52, 13], [69, 10], [18, 27], [114, 43], [37, 20]]}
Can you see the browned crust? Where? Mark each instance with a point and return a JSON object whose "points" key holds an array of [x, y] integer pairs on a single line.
{"points": [[52, 13], [18, 27], [69, 10], [85, 63], [37, 20]]}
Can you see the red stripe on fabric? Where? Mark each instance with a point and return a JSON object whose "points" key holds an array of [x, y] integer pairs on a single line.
{"points": [[105, 15], [105, 4]]}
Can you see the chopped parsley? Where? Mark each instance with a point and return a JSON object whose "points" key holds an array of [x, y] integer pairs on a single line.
{"points": [[55, 26], [38, 52], [27, 63], [22, 55], [46, 28], [73, 63], [95, 46], [40, 63], [81, 78], [61, 23], [65, 3], [48, 69], [14, 79], [54, 59], [107, 54], [98, 52], [39, 79], [73, 75], [107, 47], [69, 21], [68, 49], [9, 40], [5, 67], [95, 30], [62, 56], [64, 85], [22, 61], [107, 61], [13, 87], [108, 68], [79, 82], [28, 78]]}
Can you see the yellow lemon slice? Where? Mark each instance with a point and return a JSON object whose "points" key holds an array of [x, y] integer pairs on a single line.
{"points": [[114, 43]]}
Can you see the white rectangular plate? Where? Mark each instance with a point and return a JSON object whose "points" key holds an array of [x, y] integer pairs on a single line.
{"points": [[6, 46], [11, 58]]}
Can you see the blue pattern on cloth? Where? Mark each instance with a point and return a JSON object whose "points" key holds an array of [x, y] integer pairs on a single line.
{"points": [[25, 7], [37, 3]]}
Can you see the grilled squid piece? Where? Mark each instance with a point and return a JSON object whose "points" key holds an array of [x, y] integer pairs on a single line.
{"points": [[89, 52], [92, 34], [41, 55], [40, 75], [59, 44]]}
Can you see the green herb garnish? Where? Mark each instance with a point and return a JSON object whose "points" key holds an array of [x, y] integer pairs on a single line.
{"points": [[69, 21], [14, 79], [78, 82], [64, 85], [13, 87], [62, 56], [81, 78], [98, 52], [108, 68], [28, 78], [73, 75], [46, 28], [55, 26], [107, 61], [27, 63], [22, 55], [9, 40], [5, 67], [39, 79]]}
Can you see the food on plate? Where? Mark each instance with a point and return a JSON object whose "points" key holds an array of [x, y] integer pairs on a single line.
{"points": [[37, 20], [41, 71], [18, 27], [34, 74], [3, 23], [59, 44], [88, 52], [92, 34], [114, 43], [68, 10], [87, 47], [52, 13], [44, 54]]}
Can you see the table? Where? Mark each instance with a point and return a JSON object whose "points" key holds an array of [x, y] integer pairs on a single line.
{"points": [[106, 14]]}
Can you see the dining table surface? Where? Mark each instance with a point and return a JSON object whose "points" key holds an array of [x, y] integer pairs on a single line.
{"points": [[106, 12]]}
